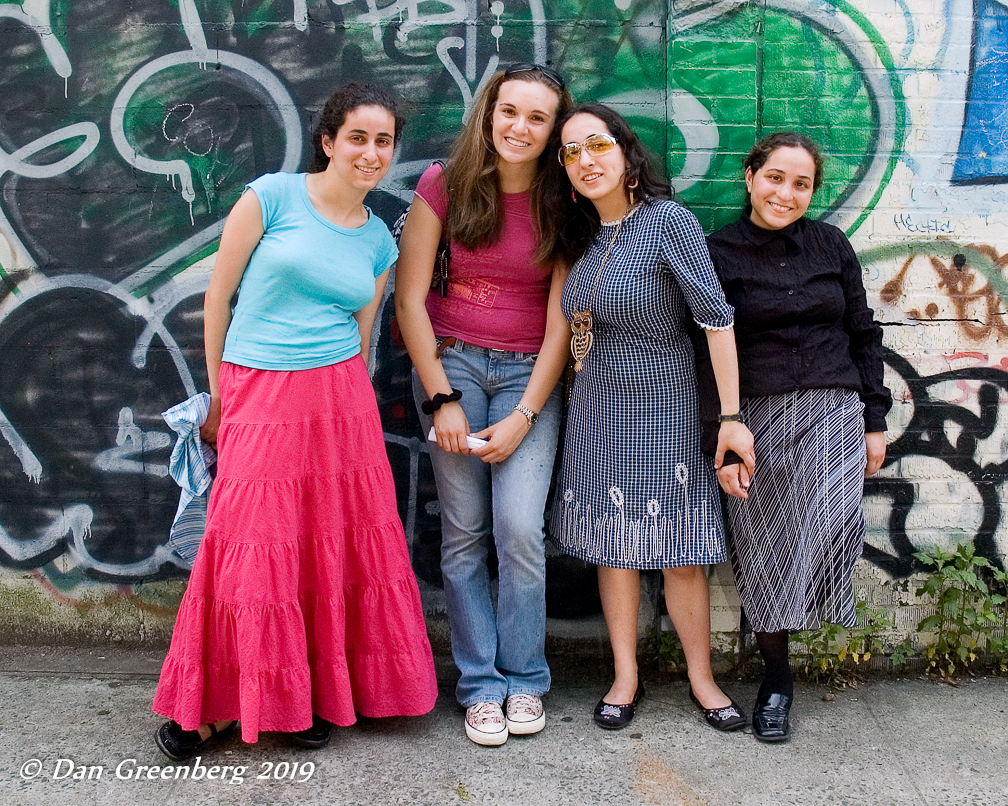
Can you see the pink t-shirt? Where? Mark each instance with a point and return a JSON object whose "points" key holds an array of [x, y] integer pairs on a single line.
{"points": [[497, 296]]}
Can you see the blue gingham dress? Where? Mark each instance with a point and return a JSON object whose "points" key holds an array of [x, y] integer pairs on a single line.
{"points": [[635, 491]]}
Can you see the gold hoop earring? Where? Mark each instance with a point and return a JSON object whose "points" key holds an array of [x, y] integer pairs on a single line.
{"points": [[631, 187]]}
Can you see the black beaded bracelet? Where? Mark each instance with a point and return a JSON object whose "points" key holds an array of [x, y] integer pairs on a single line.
{"points": [[436, 402]]}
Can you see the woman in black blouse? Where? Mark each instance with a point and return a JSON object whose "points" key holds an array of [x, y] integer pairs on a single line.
{"points": [[811, 381]]}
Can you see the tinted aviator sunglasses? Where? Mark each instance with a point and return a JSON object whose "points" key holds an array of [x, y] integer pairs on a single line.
{"points": [[547, 72], [595, 144]]}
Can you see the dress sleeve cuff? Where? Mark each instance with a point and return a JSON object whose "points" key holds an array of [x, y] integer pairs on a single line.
{"points": [[716, 326]]}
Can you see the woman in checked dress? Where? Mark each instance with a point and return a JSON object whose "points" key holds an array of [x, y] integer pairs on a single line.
{"points": [[635, 491]]}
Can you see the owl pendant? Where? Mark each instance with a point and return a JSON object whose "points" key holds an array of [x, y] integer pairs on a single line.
{"points": [[582, 340]]}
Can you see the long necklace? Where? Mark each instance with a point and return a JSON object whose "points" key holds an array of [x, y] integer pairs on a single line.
{"points": [[581, 321]]}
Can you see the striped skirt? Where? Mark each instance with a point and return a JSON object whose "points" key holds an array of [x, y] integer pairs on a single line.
{"points": [[795, 540]]}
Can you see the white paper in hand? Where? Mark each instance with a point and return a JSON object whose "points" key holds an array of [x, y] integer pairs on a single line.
{"points": [[471, 441]]}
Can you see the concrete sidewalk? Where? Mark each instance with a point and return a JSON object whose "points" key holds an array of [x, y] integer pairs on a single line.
{"points": [[73, 713]]}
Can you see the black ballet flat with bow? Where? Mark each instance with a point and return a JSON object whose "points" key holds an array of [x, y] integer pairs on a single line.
{"points": [[729, 718], [615, 717]]}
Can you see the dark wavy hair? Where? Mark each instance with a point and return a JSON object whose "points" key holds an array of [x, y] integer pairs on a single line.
{"points": [[641, 176], [476, 205], [768, 145], [344, 100]]}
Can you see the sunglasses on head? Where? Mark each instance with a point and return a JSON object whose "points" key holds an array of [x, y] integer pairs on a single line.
{"points": [[595, 144], [546, 72]]}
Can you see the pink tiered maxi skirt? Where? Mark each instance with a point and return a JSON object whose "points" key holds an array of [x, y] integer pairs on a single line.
{"points": [[302, 599]]}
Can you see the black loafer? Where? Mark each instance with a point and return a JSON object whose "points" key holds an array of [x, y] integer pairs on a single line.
{"points": [[180, 744], [729, 718], [314, 737], [614, 717], [770, 718]]}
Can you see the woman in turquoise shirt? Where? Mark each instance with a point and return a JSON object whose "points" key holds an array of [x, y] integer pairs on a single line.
{"points": [[302, 608]]}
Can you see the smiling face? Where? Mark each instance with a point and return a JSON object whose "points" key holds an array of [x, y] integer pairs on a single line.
{"points": [[781, 189], [598, 178], [361, 152], [523, 119]]}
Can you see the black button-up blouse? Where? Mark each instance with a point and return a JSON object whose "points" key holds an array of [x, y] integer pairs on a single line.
{"points": [[801, 317]]}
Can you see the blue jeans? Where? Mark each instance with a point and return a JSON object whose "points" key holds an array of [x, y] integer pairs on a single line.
{"points": [[498, 653]]}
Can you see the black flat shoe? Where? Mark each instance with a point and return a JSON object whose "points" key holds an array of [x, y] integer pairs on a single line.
{"points": [[180, 744], [729, 718], [614, 717], [770, 718], [314, 737]]}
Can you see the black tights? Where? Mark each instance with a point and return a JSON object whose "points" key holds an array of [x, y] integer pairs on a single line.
{"points": [[773, 646]]}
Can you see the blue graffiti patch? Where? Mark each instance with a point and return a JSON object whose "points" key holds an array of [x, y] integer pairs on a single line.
{"points": [[983, 147]]}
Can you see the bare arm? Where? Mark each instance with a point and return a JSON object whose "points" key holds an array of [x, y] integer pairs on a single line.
{"points": [[734, 479], [365, 316], [418, 246], [507, 434], [241, 235]]}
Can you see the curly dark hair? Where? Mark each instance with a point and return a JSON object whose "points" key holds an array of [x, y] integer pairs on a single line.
{"points": [[344, 100], [768, 145], [641, 177]]}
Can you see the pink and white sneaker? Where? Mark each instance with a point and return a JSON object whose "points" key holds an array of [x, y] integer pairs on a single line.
{"points": [[485, 725], [525, 714]]}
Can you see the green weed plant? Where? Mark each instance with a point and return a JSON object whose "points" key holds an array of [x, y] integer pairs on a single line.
{"points": [[967, 610], [834, 654], [969, 625], [998, 644]]}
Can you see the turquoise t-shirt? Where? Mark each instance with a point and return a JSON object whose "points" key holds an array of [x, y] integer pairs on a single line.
{"points": [[304, 281]]}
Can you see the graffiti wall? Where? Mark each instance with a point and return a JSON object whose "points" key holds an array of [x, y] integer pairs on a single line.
{"points": [[129, 128]]}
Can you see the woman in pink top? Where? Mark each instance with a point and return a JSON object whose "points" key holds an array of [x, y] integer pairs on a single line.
{"points": [[488, 348]]}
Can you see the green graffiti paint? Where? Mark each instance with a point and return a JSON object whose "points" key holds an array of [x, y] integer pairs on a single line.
{"points": [[979, 260], [8, 282], [761, 71], [900, 124]]}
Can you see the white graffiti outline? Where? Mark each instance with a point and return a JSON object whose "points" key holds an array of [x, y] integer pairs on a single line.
{"points": [[260, 80], [30, 464], [461, 12], [36, 15], [130, 441], [179, 168], [77, 518], [16, 163], [410, 17], [691, 118], [154, 316], [450, 42]]}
